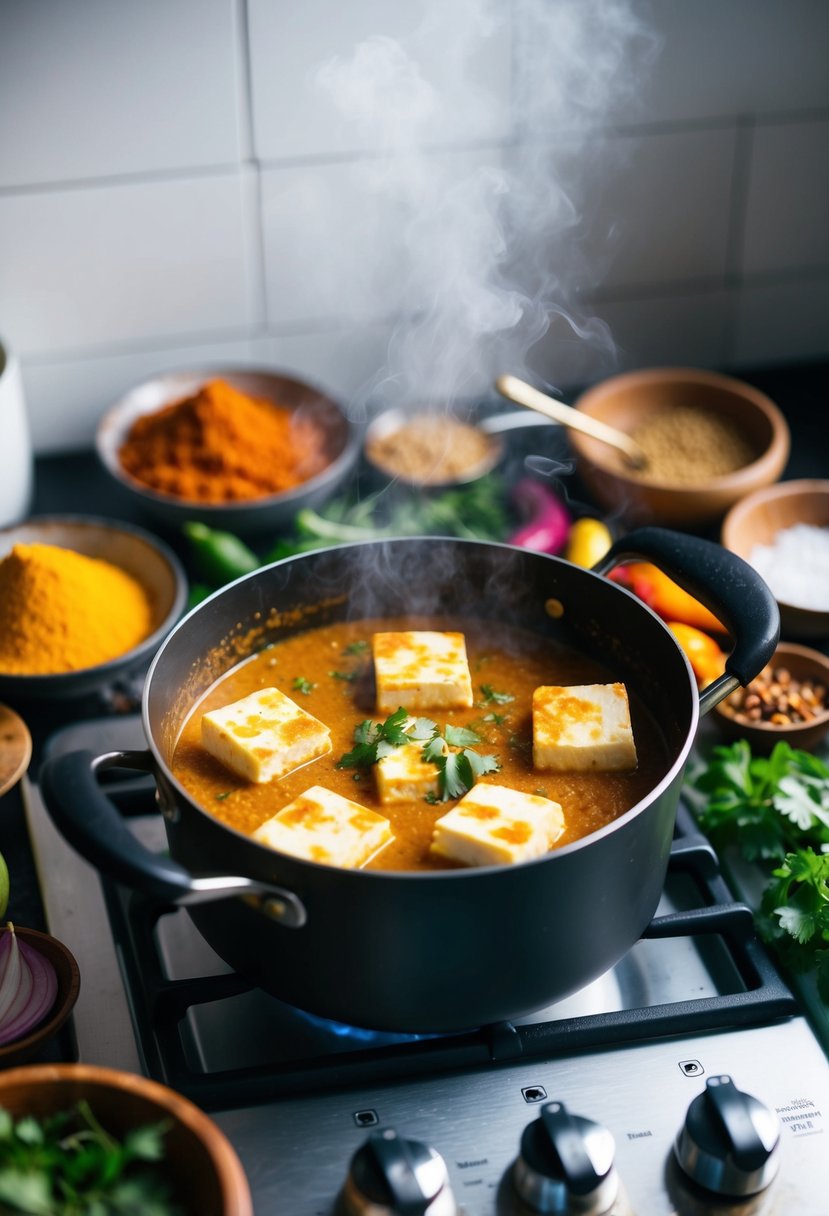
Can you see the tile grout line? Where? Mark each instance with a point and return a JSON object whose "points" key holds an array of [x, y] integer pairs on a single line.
{"points": [[254, 235]]}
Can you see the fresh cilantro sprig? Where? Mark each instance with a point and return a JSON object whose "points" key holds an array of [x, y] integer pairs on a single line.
{"points": [[775, 811], [795, 913], [374, 740], [67, 1164], [491, 695], [457, 770], [765, 806]]}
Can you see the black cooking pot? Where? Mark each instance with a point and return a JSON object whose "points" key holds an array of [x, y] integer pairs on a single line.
{"points": [[423, 951]]}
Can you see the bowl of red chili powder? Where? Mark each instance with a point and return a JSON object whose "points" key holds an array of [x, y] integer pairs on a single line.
{"points": [[240, 449]]}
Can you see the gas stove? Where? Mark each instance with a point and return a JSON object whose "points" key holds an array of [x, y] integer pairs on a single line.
{"points": [[693, 1038]]}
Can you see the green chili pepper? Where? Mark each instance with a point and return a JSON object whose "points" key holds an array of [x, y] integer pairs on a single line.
{"points": [[221, 556]]}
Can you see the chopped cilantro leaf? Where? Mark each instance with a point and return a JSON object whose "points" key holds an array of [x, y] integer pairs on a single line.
{"points": [[491, 694], [355, 647], [302, 685], [343, 675], [374, 740]]}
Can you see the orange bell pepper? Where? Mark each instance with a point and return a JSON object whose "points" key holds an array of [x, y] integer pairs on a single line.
{"points": [[702, 651], [667, 598]]}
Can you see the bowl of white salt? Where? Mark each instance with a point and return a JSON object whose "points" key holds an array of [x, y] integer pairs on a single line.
{"points": [[783, 532]]}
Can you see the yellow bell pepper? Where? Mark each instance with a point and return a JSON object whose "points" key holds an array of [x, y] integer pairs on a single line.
{"points": [[588, 541], [702, 651]]}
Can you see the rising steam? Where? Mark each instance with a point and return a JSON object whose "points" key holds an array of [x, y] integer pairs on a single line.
{"points": [[480, 250]]}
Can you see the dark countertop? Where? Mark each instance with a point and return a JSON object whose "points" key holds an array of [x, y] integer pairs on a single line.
{"points": [[75, 484]]}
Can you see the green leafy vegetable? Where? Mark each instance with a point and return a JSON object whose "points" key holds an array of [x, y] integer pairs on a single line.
{"points": [[67, 1164], [359, 647], [764, 806], [478, 512], [304, 686], [796, 913], [347, 676], [775, 811]]}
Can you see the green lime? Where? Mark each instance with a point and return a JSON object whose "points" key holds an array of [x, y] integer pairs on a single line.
{"points": [[4, 886]]}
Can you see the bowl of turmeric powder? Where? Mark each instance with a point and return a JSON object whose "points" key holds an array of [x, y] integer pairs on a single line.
{"points": [[83, 601], [241, 450], [707, 440]]}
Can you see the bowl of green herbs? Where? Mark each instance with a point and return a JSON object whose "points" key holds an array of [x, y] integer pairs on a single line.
{"points": [[77, 1138]]}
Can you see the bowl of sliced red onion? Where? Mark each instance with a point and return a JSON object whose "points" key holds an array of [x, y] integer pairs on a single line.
{"points": [[39, 985], [783, 532]]}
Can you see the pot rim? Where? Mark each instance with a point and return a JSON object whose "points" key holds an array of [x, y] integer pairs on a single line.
{"points": [[472, 873]]}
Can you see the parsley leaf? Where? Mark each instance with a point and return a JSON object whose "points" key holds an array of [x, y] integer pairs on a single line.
{"points": [[302, 685], [457, 770]]}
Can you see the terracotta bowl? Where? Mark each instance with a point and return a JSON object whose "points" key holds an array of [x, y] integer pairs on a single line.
{"points": [[756, 520], [803, 663], [625, 401], [69, 983], [204, 1171], [140, 554], [245, 517]]}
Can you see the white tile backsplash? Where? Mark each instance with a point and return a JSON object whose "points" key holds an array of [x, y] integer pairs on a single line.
{"points": [[786, 213], [333, 79], [94, 88], [188, 177], [720, 58], [83, 268]]}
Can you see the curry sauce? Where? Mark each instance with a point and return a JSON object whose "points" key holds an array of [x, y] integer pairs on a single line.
{"points": [[328, 672]]}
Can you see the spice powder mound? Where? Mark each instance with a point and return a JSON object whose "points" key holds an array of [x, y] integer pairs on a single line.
{"points": [[431, 450], [221, 445], [63, 611], [687, 444]]}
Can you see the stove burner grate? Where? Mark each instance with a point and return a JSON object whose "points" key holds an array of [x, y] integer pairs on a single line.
{"points": [[321, 1055]]}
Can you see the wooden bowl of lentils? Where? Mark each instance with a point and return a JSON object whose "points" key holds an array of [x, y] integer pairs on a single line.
{"points": [[788, 700], [708, 440]]}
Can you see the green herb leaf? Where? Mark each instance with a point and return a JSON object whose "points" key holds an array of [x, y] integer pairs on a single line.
{"points": [[374, 740], [348, 676], [355, 647], [302, 685], [490, 694], [459, 736]]}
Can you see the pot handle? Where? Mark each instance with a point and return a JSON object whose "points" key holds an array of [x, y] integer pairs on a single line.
{"points": [[92, 824], [725, 584]]}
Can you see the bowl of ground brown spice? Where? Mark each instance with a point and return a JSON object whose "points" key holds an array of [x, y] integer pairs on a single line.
{"points": [[83, 601], [708, 439], [242, 450]]}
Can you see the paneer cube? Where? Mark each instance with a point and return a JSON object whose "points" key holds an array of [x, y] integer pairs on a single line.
{"points": [[421, 670], [404, 776], [583, 727], [327, 828], [264, 735], [494, 825]]}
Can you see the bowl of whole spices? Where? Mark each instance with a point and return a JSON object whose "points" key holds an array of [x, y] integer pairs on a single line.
{"points": [[788, 700], [83, 601], [708, 440], [240, 449]]}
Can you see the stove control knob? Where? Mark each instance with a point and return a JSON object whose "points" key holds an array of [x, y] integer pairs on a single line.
{"points": [[566, 1164], [729, 1142], [390, 1176]]}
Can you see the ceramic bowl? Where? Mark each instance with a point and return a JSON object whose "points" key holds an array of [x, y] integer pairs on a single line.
{"points": [[625, 401], [759, 518], [201, 1165], [69, 982], [387, 424], [268, 514], [142, 555], [802, 663]]}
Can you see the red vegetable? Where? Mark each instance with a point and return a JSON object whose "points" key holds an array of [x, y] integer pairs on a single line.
{"points": [[547, 519], [28, 986]]}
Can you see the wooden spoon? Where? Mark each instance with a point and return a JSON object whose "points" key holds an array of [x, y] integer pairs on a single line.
{"points": [[15, 748], [524, 394]]}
